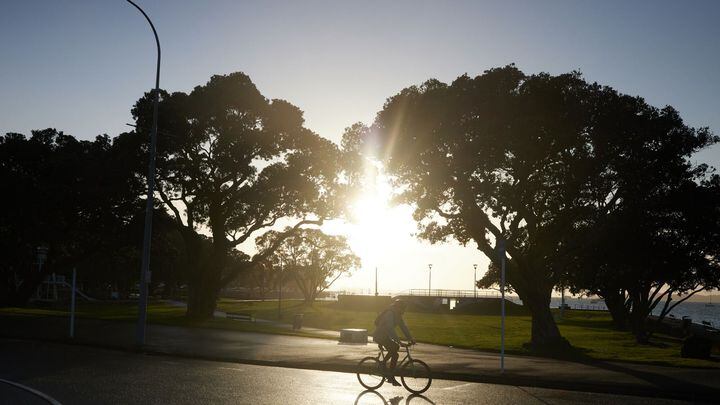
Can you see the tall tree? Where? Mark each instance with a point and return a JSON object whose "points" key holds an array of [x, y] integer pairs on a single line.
{"points": [[507, 156], [233, 164], [654, 256], [638, 235], [72, 196], [314, 260]]}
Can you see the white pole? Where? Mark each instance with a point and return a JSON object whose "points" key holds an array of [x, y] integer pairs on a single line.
{"points": [[475, 280], [376, 291], [54, 287], [502, 305], [429, 278], [280, 283], [72, 307]]}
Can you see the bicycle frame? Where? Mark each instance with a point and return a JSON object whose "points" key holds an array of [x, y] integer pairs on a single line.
{"points": [[415, 374], [382, 356]]}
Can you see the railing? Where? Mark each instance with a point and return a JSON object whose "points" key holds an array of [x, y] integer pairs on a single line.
{"points": [[452, 293]]}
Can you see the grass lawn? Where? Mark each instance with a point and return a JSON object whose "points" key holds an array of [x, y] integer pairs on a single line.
{"points": [[158, 313], [591, 333]]}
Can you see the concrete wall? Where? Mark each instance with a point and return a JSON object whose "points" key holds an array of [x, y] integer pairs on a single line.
{"points": [[488, 306], [364, 302]]}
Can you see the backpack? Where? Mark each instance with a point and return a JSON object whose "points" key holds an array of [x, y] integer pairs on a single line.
{"points": [[377, 318]]}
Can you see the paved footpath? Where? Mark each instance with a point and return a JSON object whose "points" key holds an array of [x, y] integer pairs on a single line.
{"points": [[324, 354]]}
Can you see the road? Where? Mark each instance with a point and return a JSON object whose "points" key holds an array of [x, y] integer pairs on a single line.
{"points": [[83, 375]]}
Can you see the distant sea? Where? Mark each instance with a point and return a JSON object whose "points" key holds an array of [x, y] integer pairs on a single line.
{"points": [[697, 311]]}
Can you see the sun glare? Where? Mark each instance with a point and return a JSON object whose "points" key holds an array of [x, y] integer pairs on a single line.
{"points": [[376, 226]]}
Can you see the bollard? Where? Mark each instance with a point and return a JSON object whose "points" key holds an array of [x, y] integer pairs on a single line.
{"points": [[297, 322]]}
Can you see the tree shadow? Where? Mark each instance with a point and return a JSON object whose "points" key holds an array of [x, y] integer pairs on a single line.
{"points": [[680, 389]]}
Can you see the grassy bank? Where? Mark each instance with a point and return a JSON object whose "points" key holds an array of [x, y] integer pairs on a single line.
{"points": [[590, 332], [161, 313]]}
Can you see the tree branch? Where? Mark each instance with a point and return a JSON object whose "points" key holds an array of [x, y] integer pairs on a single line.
{"points": [[270, 250], [169, 204], [256, 226]]}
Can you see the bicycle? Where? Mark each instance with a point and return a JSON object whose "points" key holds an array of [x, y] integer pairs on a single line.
{"points": [[414, 374]]}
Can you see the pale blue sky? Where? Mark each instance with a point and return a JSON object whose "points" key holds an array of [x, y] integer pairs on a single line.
{"points": [[79, 65]]}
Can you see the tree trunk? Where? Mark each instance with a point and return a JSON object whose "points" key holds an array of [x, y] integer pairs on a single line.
{"points": [[545, 335], [615, 302], [638, 325], [203, 293], [205, 271], [639, 314]]}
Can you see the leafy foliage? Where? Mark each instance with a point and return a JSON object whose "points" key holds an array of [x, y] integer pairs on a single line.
{"points": [[74, 197], [236, 163], [528, 159], [314, 260]]}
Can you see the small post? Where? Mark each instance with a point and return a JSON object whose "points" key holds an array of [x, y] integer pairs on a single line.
{"points": [[475, 280], [376, 292], [54, 283], [72, 306], [280, 291], [562, 302], [429, 278], [502, 305]]}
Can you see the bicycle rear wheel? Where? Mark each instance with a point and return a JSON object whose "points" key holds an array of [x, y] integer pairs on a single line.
{"points": [[370, 374], [415, 376]]}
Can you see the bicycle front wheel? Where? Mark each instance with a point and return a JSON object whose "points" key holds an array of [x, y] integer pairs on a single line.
{"points": [[370, 374], [415, 376]]}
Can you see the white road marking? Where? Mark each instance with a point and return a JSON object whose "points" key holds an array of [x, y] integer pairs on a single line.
{"points": [[458, 386], [42, 395], [231, 368]]}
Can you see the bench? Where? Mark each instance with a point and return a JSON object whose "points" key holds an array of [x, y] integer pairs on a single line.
{"points": [[353, 336], [238, 316]]}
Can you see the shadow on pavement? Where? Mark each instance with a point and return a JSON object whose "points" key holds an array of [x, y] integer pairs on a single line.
{"points": [[684, 388], [374, 397]]}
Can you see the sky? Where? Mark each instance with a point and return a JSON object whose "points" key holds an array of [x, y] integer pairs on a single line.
{"points": [[79, 65]]}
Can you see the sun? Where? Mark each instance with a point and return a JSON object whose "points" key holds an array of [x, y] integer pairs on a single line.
{"points": [[376, 230], [375, 225]]}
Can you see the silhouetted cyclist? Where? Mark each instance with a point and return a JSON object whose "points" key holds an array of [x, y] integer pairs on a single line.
{"points": [[385, 335]]}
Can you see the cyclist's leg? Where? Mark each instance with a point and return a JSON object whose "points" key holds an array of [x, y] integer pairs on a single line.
{"points": [[392, 354], [393, 348]]}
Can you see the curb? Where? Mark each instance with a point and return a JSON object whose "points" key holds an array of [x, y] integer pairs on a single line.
{"points": [[39, 394], [709, 395]]}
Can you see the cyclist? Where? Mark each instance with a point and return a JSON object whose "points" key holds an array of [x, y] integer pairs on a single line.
{"points": [[385, 335]]}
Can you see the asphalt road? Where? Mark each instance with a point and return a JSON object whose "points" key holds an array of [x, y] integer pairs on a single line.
{"points": [[82, 375]]}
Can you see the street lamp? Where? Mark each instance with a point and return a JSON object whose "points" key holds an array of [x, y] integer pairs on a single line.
{"points": [[145, 265], [429, 277], [475, 280]]}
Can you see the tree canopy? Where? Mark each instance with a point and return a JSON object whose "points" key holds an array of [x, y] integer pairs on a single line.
{"points": [[523, 158], [234, 163], [73, 197], [314, 259]]}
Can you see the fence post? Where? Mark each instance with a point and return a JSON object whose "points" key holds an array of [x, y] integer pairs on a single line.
{"points": [[72, 306]]}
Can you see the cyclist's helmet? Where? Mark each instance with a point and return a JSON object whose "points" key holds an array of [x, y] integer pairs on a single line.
{"points": [[399, 304]]}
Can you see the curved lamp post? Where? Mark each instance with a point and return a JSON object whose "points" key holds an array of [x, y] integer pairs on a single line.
{"points": [[145, 266]]}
